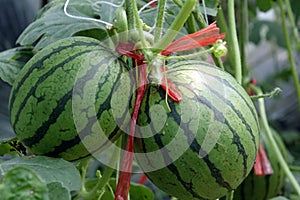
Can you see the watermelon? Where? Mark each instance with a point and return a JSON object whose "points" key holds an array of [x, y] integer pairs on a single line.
{"points": [[60, 103], [205, 145], [264, 187]]}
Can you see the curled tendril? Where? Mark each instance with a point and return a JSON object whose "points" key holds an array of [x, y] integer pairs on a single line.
{"points": [[89, 18], [110, 4], [146, 5]]}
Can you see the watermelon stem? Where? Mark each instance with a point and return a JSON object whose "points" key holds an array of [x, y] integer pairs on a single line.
{"points": [[102, 181], [159, 20], [138, 24], [273, 143], [294, 168], [230, 195], [235, 42], [289, 49]]}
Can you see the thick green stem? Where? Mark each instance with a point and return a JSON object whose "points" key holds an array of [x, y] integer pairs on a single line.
{"points": [[219, 62], [196, 13], [191, 24], [230, 195], [175, 27], [82, 168], [102, 182], [295, 168], [224, 29], [109, 171], [139, 24], [293, 24], [290, 51], [199, 19], [244, 35], [235, 44], [159, 20], [273, 143], [130, 16]]}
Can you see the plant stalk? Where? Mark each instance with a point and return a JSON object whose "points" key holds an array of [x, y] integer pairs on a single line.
{"points": [[224, 28], [175, 27], [159, 20], [295, 168], [244, 35], [273, 143], [191, 24], [230, 195], [293, 24], [130, 15], [290, 51], [138, 22], [235, 43]]}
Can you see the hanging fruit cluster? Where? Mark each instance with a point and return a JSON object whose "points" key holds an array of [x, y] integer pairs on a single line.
{"points": [[192, 127]]}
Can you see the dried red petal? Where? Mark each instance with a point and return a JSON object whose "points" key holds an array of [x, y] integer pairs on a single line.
{"points": [[123, 185], [262, 164], [127, 49], [142, 180], [171, 89], [204, 37]]}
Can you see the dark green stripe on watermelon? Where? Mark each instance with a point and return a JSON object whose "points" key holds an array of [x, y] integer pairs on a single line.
{"points": [[53, 51], [225, 111], [225, 82], [75, 73]]}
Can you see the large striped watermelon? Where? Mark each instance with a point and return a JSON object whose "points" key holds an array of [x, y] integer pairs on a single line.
{"points": [[60, 102], [206, 145], [264, 187]]}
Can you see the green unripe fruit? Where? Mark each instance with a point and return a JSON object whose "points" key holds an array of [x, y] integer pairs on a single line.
{"points": [[264, 187], [206, 145], [60, 102]]}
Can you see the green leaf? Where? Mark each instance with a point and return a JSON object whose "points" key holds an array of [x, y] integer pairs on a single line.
{"points": [[273, 32], [5, 149], [12, 61], [137, 191], [52, 24], [22, 183], [295, 7], [292, 197], [93, 33], [106, 192], [12, 147], [49, 169], [279, 198], [140, 192], [264, 5], [212, 3], [58, 192]]}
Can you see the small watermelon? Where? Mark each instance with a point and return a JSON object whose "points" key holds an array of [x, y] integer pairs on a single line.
{"points": [[205, 145], [60, 103]]}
